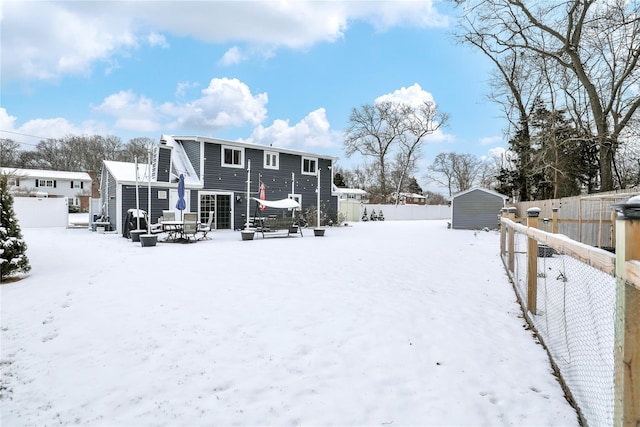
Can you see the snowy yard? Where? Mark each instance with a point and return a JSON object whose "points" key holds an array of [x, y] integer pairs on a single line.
{"points": [[385, 323]]}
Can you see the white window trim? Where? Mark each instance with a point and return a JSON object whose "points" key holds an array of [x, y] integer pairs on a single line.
{"points": [[297, 197], [273, 154], [228, 165], [314, 173]]}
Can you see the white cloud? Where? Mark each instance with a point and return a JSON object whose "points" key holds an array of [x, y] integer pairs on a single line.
{"points": [[310, 133], [6, 121], [156, 39], [224, 103], [232, 56], [46, 40], [413, 96], [30, 133], [132, 111], [490, 140], [182, 87]]}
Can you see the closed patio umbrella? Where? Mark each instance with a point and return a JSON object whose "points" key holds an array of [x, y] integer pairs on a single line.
{"points": [[181, 205]]}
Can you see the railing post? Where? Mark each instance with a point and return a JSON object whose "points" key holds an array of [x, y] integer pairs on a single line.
{"points": [[627, 329], [512, 216], [554, 220], [532, 262], [503, 230]]}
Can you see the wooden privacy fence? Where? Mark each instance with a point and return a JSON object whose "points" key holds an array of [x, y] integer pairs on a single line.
{"points": [[588, 219], [584, 304]]}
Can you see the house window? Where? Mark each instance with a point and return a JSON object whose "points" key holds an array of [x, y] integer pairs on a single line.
{"points": [[232, 157], [297, 198], [13, 182], [45, 183], [76, 184], [309, 166], [270, 160]]}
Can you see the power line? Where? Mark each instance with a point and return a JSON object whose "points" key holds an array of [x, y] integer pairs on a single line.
{"points": [[25, 134]]}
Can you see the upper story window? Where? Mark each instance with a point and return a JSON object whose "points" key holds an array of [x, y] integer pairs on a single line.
{"points": [[271, 160], [232, 157], [46, 183], [76, 184], [309, 166], [13, 182]]}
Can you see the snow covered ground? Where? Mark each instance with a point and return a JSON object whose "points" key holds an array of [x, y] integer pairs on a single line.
{"points": [[379, 323]]}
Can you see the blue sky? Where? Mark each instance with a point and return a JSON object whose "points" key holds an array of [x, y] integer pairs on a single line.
{"points": [[286, 73]]}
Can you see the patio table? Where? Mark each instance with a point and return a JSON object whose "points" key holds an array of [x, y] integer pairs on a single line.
{"points": [[172, 228]]}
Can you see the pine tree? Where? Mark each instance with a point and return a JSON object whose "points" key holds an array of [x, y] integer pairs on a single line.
{"points": [[13, 258]]}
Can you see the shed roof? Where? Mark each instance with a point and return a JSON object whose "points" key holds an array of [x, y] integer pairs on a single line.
{"points": [[485, 190]]}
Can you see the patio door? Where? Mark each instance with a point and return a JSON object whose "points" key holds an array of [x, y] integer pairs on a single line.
{"points": [[220, 204]]}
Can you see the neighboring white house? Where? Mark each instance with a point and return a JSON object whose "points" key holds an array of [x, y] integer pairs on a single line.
{"points": [[349, 202], [349, 193], [411, 199], [74, 186]]}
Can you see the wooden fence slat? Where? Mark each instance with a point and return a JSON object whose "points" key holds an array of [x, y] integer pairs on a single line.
{"points": [[595, 257]]}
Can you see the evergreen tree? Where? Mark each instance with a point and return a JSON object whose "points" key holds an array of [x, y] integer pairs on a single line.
{"points": [[13, 258]]}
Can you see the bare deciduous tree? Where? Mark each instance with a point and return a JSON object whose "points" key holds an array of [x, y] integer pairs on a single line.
{"points": [[594, 42], [457, 172]]}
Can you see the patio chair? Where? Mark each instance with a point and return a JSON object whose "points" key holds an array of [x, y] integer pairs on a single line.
{"points": [[168, 216], [190, 226], [205, 228]]}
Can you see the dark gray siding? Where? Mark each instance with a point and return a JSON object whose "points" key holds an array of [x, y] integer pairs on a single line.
{"points": [[164, 163], [277, 182], [111, 195], [157, 206], [475, 210], [192, 149]]}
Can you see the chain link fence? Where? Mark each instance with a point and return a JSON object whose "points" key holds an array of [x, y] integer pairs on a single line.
{"points": [[575, 319]]}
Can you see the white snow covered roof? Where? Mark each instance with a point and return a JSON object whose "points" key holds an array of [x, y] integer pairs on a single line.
{"points": [[41, 173], [341, 190], [125, 171]]}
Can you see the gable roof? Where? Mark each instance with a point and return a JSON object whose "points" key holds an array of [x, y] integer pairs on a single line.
{"points": [[343, 190], [485, 190], [168, 138], [126, 172], [42, 173]]}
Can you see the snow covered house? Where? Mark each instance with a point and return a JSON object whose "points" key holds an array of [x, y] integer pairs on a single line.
{"points": [[215, 173], [476, 208], [76, 187]]}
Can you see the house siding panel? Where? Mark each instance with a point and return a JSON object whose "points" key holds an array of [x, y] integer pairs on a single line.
{"points": [[192, 149], [112, 203], [157, 206], [475, 210], [164, 163]]}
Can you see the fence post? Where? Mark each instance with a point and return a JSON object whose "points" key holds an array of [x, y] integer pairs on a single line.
{"points": [[512, 216], [503, 229], [554, 220], [532, 262], [627, 330]]}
